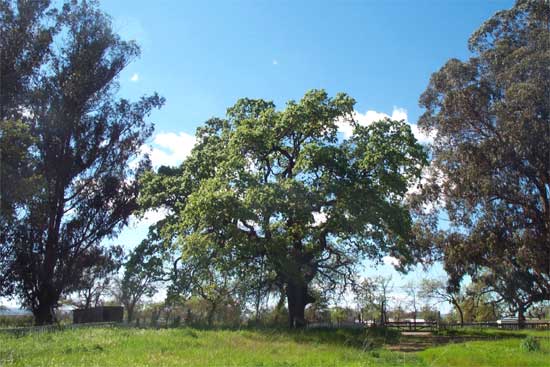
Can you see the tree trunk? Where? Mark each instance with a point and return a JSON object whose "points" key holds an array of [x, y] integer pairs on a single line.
{"points": [[211, 313], [297, 298], [383, 313], [258, 300], [47, 300], [44, 314], [88, 299], [521, 317], [460, 313], [130, 313]]}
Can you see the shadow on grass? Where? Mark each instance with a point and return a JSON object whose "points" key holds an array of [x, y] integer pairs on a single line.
{"points": [[471, 332], [363, 339]]}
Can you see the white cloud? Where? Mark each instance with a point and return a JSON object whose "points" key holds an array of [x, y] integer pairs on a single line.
{"points": [[390, 260], [319, 218], [371, 116], [344, 127], [368, 118], [423, 138], [399, 114], [135, 78], [152, 216], [170, 149]]}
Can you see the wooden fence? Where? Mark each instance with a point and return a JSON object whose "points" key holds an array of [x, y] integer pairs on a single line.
{"points": [[413, 326], [542, 324], [434, 325]]}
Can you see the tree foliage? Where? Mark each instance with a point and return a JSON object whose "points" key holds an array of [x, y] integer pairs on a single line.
{"points": [[282, 185], [59, 86], [491, 155], [27, 29], [97, 278], [143, 270], [373, 298], [438, 290]]}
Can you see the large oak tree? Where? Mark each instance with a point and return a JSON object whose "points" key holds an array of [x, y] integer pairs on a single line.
{"points": [[282, 185]]}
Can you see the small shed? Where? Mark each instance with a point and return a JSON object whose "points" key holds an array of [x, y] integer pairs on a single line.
{"points": [[98, 314]]}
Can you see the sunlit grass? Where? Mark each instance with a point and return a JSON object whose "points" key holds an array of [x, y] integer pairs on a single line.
{"points": [[190, 347], [491, 352], [193, 347]]}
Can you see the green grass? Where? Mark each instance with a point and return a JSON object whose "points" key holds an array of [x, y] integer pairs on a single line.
{"points": [[193, 347], [190, 347], [501, 353]]}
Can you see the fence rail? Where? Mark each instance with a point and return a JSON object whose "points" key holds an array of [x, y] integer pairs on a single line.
{"points": [[413, 326], [434, 325], [400, 325], [502, 325]]}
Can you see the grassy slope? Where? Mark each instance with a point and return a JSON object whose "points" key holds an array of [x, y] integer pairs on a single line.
{"points": [[189, 347]]}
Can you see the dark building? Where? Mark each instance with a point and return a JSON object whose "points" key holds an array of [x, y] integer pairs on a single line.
{"points": [[98, 314]]}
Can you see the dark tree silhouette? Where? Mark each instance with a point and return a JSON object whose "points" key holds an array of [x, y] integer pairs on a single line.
{"points": [[82, 139]]}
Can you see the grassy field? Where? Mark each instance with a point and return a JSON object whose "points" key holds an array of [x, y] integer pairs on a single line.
{"points": [[191, 347]]}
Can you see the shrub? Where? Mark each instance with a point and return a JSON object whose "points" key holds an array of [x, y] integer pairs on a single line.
{"points": [[16, 321], [530, 344]]}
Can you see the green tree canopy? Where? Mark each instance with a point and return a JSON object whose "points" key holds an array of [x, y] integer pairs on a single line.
{"points": [[284, 186], [144, 269]]}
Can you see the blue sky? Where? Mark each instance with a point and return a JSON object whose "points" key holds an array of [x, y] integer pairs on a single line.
{"points": [[203, 56]]}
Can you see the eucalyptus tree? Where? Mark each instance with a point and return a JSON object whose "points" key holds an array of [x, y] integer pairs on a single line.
{"points": [[24, 46], [491, 154], [282, 185], [82, 138], [27, 29]]}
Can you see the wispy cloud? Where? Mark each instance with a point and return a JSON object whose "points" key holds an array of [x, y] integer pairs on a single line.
{"points": [[275, 62], [135, 78], [133, 29]]}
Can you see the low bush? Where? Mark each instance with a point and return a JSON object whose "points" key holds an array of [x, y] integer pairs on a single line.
{"points": [[16, 321], [530, 344]]}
